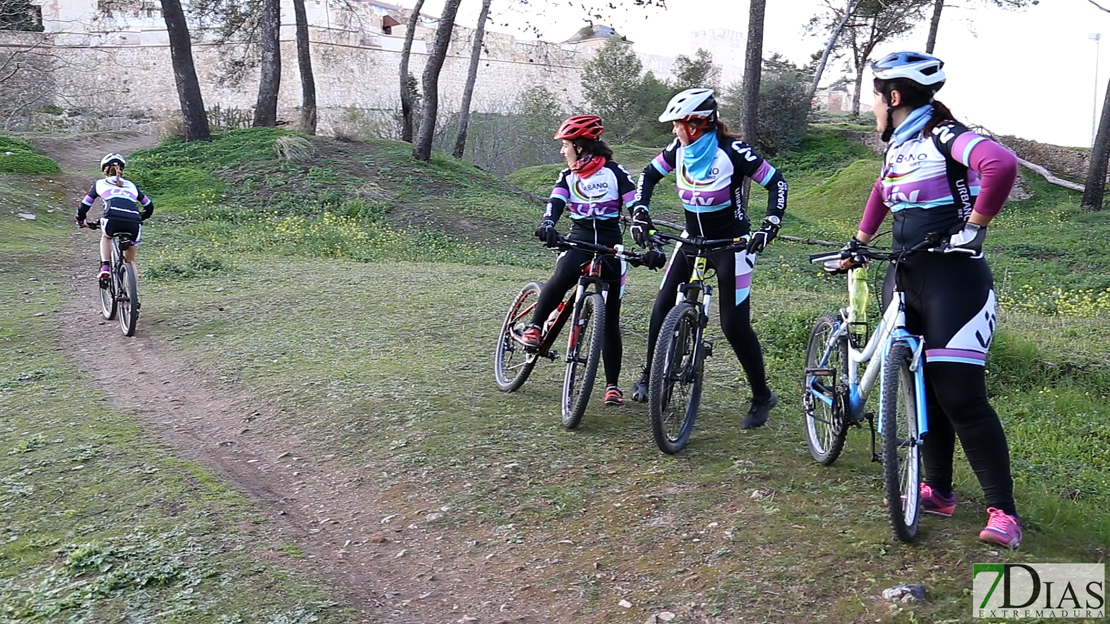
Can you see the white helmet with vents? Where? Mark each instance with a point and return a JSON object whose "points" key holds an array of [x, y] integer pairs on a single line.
{"points": [[689, 104], [113, 158], [924, 69]]}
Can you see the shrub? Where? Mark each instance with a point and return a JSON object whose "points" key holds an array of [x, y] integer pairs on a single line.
{"points": [[293, 148], [19, 157]]}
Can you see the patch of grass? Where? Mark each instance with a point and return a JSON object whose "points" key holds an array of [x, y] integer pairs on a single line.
{"points": [[18, 156], [196, 264]]}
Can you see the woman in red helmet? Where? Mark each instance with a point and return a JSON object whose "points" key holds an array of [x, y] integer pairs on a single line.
{"points": [[592, 190]]}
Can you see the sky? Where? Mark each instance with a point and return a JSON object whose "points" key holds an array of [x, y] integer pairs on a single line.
{"points": [[1029, 73]]}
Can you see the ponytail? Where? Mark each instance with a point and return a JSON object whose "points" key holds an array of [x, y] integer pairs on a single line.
{"points": [[941, 114]]}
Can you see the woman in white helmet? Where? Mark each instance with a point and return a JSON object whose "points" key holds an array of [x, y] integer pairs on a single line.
{"points": [[710, 164], [121, 211], [938, 177]]}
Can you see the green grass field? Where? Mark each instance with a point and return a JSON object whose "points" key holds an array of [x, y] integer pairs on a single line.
{"points": [[362, 295]]}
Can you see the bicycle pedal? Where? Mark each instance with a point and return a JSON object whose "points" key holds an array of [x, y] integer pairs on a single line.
{"points": [[708, 349], [820, 372]]}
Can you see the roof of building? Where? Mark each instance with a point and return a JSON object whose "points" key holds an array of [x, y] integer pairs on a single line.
{"points": [[587, 33]]}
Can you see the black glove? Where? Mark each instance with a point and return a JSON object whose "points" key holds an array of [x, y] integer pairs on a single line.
{"points": [[642, 227], [547, 234], [80, 222], [655, 259], [762, 237], [967, 236]]}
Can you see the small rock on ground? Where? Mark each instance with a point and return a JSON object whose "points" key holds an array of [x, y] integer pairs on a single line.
{"points": [[907, 593]]}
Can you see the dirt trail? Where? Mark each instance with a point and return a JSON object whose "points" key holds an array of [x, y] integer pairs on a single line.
{"points": [[397, 569]]}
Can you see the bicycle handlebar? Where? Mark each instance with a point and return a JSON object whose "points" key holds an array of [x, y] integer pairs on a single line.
{"points": [[702, 243], [632, 257], [864, 253]]}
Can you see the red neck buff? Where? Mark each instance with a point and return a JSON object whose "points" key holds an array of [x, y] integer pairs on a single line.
{"points": [[588, 165]]}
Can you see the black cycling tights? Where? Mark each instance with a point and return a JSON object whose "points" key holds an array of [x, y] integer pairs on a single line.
{"points": [[567, 272], [735, 317], [956, 396]]}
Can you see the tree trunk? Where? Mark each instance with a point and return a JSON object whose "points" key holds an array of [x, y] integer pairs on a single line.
{"points": [[828, 50], [753, 72], [934, 25], [856, 93], [184, 74], [422, 149], [471, 76], [304, 62], [406, 78], [1100, 153], [265, 110]]}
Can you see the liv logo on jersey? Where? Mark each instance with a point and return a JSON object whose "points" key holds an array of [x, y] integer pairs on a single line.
{"points": [[1039, 590]]}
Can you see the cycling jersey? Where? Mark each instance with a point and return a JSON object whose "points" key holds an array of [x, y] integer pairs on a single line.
{"points": [[593, 202], [121, 201], [711, 194], [933, 181]]}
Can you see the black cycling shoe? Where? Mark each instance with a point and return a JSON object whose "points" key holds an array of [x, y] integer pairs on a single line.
{"points": [[759, 413], [640, 390]]}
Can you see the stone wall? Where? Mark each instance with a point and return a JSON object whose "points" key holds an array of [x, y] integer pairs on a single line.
{"points": [[115, 71]]}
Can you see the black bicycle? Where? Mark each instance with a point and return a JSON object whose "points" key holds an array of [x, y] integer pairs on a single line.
{"points": [[675, 380], [119, 296], [584, 308]]}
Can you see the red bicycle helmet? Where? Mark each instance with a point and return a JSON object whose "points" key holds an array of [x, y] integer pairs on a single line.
{"points": [[580, 127]]}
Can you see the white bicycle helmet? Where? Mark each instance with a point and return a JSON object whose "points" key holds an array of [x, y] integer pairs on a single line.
{"points": [[112, 158], [924, 69], [691, 103]]}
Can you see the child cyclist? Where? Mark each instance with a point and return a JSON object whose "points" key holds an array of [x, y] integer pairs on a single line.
{"points": [[592, 190], [121, 211], [710, 165], [939, 177]]}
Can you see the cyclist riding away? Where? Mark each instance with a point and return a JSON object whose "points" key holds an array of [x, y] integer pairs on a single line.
{"points": [[711, 164], [939, 177], [592, 189], [121, 211]]}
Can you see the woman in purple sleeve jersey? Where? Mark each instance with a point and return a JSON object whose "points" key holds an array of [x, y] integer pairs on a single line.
{"points": [[940, 177]]}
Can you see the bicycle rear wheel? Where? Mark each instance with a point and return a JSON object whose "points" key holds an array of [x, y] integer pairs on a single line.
{"points": [[674, 386], [587, 333], [825, 423], [901, 452], [108, 299], [511, 363], [128, 299]]}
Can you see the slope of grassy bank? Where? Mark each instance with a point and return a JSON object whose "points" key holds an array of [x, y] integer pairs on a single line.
{"points": [[98, 523]]}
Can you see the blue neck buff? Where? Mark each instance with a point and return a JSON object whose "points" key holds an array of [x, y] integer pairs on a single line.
{"points": [[912, 124], [698, 156]]}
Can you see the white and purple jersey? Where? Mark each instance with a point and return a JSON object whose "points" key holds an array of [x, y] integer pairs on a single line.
{"points": [[933, 181], [712, 199], [597, 196], [121, 200]]}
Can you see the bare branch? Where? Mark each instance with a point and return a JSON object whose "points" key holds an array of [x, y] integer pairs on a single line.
{"points": [[1100, 7]]}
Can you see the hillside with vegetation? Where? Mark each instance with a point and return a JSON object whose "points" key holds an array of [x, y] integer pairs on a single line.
{"points": [[349, 299]]}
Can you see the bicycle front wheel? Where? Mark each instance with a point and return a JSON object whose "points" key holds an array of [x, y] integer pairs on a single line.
{"points": [[674, 386], [128, 299], [901, 451], [587, 333], [511, 363], [825, 424]]}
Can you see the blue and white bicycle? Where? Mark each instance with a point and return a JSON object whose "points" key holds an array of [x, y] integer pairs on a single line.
{"points": [[835, 393]]}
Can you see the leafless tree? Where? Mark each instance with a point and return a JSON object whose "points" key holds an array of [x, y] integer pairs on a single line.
{"points": [[753, 68], [471, 77], [408, 94], [308, 80], [265, 110], [846, 15], [938, 6], [184, 74], [422, 149]]}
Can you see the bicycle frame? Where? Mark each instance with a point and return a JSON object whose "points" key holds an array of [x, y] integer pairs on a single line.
{"points": [[891, 330], [591, 276]]}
